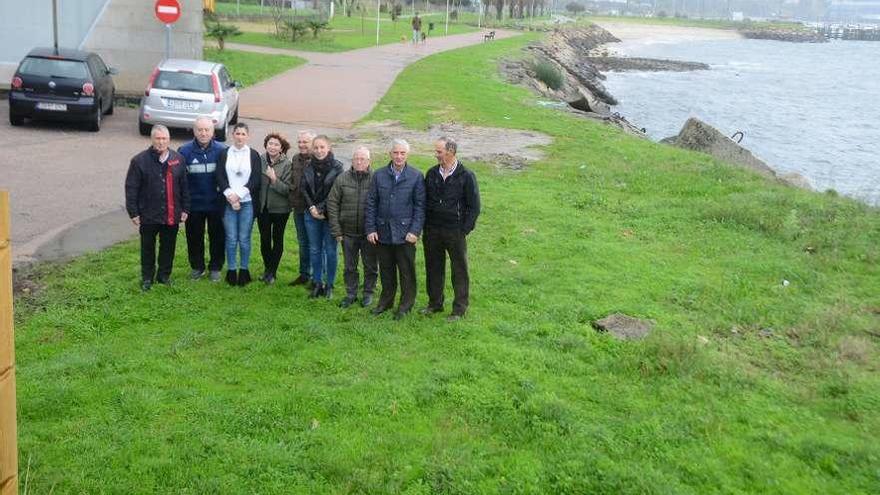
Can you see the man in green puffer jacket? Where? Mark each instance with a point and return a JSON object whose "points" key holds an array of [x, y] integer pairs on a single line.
{"points": [[346, 210]]}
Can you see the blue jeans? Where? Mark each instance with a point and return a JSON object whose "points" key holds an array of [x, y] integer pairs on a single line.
{"points": [[302, 237], [238, 226], [322, 248]]}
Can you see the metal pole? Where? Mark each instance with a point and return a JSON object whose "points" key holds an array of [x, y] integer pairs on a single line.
{"points": [[378, 14], [8, 429], [55, 25], [447, 18], [237, 7], [167, 41]]}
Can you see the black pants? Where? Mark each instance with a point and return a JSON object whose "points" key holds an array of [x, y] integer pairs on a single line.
{"points": [[352, 246], [438, 243], [397, 259], [167, 241], [195, 240], [272, 227]]}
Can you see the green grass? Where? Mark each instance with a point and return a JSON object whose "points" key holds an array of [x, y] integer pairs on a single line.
{"points": [[745, 386], [349, 33], [250, 68]]}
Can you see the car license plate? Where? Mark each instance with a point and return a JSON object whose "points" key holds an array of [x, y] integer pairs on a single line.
{"points": [[55, 107], [181, 104]]}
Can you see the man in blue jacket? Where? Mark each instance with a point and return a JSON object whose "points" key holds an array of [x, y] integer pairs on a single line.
{"points": [[201, 156], [394, 220]]}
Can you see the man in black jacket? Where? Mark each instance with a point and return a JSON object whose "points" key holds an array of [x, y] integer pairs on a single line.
{"points": [[452, 205], [157, 201]]}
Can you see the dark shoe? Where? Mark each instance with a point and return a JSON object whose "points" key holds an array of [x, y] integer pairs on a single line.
{"points": [[263, 277], [378, 310], [244, 277], [453, 318], [317, 291], [196, 274], [232, 277], [367, 300], [163, 281], [270, 279], [328, 292], [348, 301], [399, 315], [215, 275], [146, 285], [429, 310], [299, 281]]}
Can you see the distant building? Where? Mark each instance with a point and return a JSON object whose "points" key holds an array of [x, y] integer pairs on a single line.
{"points": [[124, 32], [853, 11]]}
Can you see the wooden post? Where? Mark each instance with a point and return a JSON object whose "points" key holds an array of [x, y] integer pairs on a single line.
{"points": [[8, 434]]}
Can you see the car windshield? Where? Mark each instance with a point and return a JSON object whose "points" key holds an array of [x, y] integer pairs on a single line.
{"points": [[184, 81], [50, 67]]}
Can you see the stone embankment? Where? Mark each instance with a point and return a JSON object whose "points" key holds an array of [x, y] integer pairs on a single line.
{"points": [[578, 56], [780, 34]]}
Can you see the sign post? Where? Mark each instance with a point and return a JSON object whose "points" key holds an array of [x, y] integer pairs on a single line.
{"points": [[168, 12]]}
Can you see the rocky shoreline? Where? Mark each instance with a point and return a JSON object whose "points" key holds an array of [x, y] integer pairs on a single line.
{"points": [[779, 34], [579, 56]]}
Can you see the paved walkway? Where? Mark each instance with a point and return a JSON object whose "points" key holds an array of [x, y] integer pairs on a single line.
{"points": [[337, 89]]}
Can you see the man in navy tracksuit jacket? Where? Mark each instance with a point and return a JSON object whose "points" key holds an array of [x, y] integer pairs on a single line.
{"points": [[207, 202]]}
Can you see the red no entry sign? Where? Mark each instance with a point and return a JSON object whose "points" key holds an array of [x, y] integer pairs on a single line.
{"points": [[167, 11]]}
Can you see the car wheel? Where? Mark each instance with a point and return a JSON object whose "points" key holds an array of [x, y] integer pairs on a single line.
{"points": [[95, 124], [112, 100], [220, 134], [234, 118], [144, 129], [15, 119]]}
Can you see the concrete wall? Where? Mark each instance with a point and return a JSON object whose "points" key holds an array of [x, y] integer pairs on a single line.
{"points": [[25, 25], [125, 33], [130, 38]]}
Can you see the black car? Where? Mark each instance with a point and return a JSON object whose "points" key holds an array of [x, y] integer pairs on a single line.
{"points": [[68, 85]]}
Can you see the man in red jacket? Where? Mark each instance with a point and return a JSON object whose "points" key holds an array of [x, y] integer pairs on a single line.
{"points": [[157, 201]]}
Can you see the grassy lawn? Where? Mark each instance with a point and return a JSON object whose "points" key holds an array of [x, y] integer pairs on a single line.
{"points": [[349, 33], [251, 68], [746, 386]]}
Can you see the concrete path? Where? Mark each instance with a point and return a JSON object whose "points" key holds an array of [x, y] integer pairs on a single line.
{"points": [[337, 89], [66, 184]]}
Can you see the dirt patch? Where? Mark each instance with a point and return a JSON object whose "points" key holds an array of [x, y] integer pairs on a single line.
{"points": [[506, 149]]}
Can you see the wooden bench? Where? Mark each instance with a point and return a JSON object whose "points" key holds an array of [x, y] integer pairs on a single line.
{"points": [[489, 36]]}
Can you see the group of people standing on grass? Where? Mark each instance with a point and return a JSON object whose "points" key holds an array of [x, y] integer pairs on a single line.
{"points": [[377, 215]]}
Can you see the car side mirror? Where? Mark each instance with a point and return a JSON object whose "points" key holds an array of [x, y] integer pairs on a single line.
{"points": [[112, 71], [237, 84]]}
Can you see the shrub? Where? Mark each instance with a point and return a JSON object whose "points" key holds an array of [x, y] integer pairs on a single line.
{"points": [[291, 30], [222, 31], [547, 73], [317, 26]]}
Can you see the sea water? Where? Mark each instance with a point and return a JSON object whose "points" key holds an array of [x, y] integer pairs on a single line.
{"points": [[807, 108]]}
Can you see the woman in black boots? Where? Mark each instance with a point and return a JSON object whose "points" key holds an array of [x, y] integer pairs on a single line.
{"points": [[318, 178], [238, 177]]}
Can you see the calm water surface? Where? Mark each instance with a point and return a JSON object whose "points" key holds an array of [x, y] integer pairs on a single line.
{"points": [[812, 109]]}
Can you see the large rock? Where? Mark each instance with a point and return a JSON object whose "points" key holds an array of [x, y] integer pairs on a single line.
{"points": [[699, 136], [624, 327]]}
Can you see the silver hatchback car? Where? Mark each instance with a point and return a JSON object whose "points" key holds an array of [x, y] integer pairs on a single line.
{"points": [[181, 90]]}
